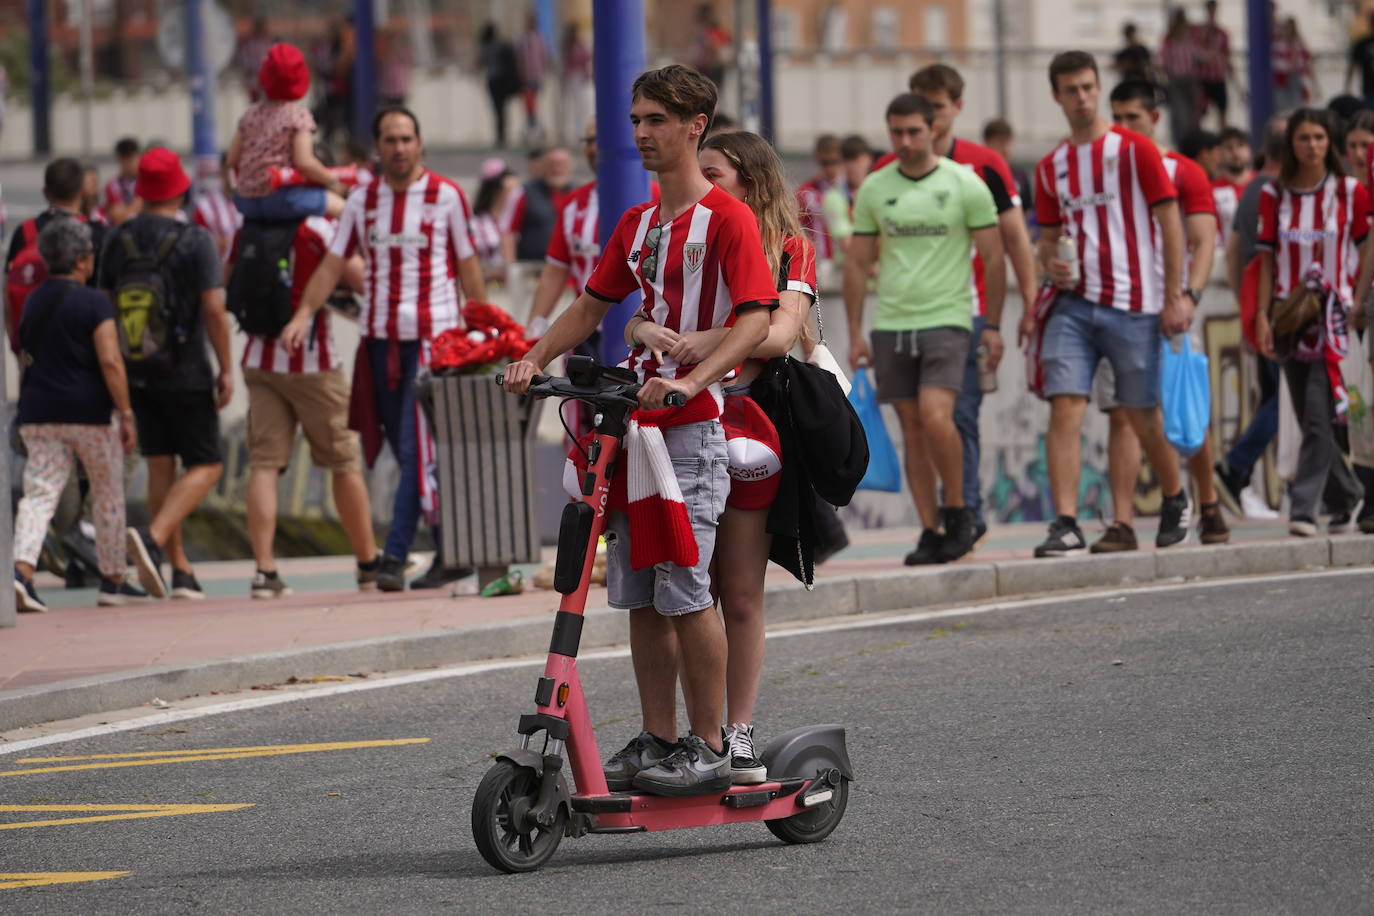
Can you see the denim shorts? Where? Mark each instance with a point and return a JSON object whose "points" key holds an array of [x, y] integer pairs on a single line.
{"points": [[1080, 333], [699, 461], [295, 202]]}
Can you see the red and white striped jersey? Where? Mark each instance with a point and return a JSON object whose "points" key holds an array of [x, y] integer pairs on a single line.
{"points": [[1101, 193], [1323, 227], [709, 263], [1226, 197], [573, 243], [119, 190], [317, 354], [217, 213], [411, 242], [812, 212], [1213, 50]]}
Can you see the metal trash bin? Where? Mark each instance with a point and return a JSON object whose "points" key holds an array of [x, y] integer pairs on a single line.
{"points": [[484, 438]]}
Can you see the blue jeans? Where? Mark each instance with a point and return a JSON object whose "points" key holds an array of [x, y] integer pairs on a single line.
{"points": [[1263, 426], [296, 202], [396, 411], [966, 409], [1080, 333]]}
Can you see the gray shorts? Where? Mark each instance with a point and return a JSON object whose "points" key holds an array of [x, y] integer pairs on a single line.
{"points": [[907, 361], [699, 460]]}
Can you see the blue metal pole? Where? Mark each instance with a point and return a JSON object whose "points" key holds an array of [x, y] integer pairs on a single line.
{"points": [[1260, 68], [364, 69], [618, 57], [204, 147], [765, 29], [39, 83]]}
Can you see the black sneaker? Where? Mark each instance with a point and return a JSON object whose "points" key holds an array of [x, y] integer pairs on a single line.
{"points": [[1174, 516], [391, 577], [118, 594], [643, 751], [746, 769], [1211, 525], [691, 769], [268, 585], [147, 558], [1118, 538], [367, 574], [927, 549], [26, 596], [1345, 523], [438, 575], [960, 533], [1229, 485], [185, 587], [980, 533], [1065, 539]]}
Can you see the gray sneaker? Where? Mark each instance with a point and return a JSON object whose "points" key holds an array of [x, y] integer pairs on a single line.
{"points": [[643, 751], [691, 769]]}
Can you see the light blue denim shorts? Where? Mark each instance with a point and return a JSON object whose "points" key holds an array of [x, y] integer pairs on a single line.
{"points": [[700, 463], [1080, 333]]}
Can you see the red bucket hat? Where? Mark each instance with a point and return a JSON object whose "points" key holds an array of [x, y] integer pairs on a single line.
{"points": [[160, 176], [283, 75]]}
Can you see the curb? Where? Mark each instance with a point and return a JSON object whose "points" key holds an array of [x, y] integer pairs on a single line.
{"points": [[788, 603]]}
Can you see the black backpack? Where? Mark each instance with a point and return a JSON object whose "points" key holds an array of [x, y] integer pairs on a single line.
{"points": [[259, 293], [149, 311]]}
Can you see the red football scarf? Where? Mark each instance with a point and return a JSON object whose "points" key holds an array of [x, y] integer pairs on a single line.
{"points": [[1035, 343]]}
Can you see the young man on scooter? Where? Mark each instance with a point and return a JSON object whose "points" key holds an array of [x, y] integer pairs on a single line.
{"points": [[696, 256]]}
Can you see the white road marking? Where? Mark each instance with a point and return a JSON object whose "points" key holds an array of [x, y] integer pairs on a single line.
{"points": [[860, 622]]}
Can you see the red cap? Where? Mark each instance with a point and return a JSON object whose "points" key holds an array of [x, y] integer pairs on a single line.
{"points": [[283, 75], [160, 176]]}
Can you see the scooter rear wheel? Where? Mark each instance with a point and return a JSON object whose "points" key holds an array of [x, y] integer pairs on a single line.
{"points": [[504, 837], [813, 824]]}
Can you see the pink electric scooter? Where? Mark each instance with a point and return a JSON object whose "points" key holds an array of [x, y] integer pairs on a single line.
{"points": [[523, 807]]}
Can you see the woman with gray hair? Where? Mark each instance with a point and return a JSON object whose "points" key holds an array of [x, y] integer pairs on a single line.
{"points": [[73, 382]]}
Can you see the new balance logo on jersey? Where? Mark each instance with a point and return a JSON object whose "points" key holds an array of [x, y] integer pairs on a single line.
{"points": [[892, 202]]}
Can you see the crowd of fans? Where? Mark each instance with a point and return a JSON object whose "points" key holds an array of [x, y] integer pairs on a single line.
{"points": [[119, 302]]}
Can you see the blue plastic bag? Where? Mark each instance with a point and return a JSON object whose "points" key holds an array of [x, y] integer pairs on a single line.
{"points": [[1185, 393], [884, 470]]}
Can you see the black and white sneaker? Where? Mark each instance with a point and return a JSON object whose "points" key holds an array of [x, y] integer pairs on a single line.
{"points": [[1174, 517], [118, 594], [185, 587], [746, 769], [147, 559], [1065, 539], [26, 596], [927, 549], [391, 576], [268, 585], [1344, 522], [691, 769]]}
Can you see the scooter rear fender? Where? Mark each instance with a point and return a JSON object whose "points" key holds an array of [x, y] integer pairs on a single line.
{"points": [[806, 751]]}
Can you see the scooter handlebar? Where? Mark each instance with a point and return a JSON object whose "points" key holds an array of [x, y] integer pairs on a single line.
{"points": [[623, 392]]}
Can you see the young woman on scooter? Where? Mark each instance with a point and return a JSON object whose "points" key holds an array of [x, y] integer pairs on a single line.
{"points": [[745, 166]]}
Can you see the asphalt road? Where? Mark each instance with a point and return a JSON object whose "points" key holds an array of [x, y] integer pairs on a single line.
{"points": [[1006, 763]]}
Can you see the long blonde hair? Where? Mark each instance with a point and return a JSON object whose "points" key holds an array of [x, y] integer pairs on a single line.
{"points": [[766, 193]]}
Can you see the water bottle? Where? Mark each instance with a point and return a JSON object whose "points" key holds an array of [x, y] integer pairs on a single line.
{"points": [[1067, 252], [987, 378]]}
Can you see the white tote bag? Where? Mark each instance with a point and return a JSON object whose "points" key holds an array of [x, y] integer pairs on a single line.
{"points": [[1359, 382], [1290, 434]]}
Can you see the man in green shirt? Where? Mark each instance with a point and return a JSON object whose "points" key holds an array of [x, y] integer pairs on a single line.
{"points": [[928, 211]]}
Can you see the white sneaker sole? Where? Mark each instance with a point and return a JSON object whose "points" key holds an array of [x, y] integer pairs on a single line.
{"points": [[25, 604], [748, 776], [119, 600], [149, 576], [268, 593], [187, 594]]}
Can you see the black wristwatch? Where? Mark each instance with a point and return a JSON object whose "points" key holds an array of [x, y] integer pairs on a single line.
{"points": [[1195, 295]]}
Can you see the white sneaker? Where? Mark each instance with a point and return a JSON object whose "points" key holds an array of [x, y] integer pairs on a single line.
{"points": [[1254, 507], [745, 766]]}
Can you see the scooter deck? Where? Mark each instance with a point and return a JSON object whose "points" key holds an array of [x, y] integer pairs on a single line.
{"points": [[762, 802]]}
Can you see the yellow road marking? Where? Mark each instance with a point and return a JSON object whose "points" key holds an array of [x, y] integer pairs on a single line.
{"points": [[130, 812], [151, 758], [10, 880]]}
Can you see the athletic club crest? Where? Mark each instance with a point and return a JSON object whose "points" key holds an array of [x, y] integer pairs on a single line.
{"points": [[693, 255]]}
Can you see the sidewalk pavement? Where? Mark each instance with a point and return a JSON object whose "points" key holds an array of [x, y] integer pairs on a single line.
{"points": [[80, 659]]}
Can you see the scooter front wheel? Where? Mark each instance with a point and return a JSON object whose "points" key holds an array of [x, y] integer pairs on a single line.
{"points": [[505, 836], [813, 824]]}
